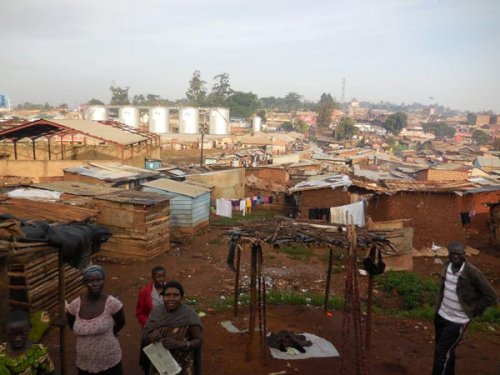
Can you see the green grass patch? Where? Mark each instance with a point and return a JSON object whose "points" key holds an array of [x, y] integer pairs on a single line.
{"points": [[297, 251], [280, 298], [239, 219], [414, 290]]}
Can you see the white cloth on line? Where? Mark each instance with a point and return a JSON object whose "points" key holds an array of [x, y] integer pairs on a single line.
{"points": [[223, 207], [319, 348], [355, 210]]}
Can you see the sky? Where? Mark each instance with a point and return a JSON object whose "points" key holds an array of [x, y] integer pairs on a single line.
{"points": [[402, 51]]}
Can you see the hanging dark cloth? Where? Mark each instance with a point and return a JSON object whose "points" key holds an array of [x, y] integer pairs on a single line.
{"points": [[465, 217]]}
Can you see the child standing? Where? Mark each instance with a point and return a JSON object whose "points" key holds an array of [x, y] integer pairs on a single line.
{"points": [[18, 355]]}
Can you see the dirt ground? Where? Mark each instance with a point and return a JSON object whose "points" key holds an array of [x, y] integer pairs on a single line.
{"points": [[399, 346]]}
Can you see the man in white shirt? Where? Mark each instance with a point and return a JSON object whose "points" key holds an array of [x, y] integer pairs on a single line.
{"points": [[465, 293]]}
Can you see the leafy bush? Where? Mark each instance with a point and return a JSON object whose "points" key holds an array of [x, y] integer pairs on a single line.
{"points": [[414, 290]]}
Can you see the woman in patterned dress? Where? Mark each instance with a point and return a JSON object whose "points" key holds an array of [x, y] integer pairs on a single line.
{"points": [[178, 327], [18, 356], [96, 318]]}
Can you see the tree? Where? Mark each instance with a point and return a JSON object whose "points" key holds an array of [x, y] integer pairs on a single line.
{"points": [[243, 104], [221, 90], [301, 126], [440, 129], [119, 96], [326, 106], [63, 106], [197, 91], [292, 101], [480, 137], [287, 126], [95, 102], [346, 129], [138, 100], [395, 122]]}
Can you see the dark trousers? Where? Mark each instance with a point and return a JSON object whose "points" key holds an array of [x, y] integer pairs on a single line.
{"points": [[448, 335], [115, 370]]}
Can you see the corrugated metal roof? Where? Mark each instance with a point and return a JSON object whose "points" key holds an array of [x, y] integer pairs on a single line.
{"points": [[135, 197], [112, 171], [329, 181], [75, 188], [97, 129], [177, 187]]}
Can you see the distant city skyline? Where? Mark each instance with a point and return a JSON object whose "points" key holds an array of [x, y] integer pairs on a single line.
{"points": [[62, 51]]}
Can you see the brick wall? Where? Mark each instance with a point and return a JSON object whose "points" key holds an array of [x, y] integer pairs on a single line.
{"points": [[274, 175], [322, 198], [434, 217]]}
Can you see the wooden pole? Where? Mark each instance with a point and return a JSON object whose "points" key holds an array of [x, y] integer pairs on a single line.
{"points": [[369, 312], [253, 300], [328, 280], [62, 313], [237, 280]]}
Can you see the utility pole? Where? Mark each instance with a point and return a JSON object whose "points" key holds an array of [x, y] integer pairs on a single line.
{"points": [[203, 129]]}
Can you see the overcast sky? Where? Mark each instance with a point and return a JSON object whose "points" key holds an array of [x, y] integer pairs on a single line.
{"points": [[69, 51]]}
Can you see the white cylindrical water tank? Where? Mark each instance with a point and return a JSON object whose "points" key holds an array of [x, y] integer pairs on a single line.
{"points": [[188, 120], [219, 121], [158, 120], [97, 113], [129, 115], [257, 124]]}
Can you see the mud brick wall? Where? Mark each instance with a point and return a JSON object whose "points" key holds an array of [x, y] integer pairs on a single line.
{"points": [[322, 198], [274, 175], [435, 217]]}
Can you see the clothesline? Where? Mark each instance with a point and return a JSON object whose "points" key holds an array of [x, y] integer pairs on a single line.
{"points": [[225, 207]]}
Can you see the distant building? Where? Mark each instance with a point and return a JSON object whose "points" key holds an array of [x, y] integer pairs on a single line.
{"points": [[477, 120]]}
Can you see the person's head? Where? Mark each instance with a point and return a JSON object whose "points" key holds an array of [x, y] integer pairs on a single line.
{"points": [[93, 278], [17, 329], [456, 253], [173, 291], [158, 274]]}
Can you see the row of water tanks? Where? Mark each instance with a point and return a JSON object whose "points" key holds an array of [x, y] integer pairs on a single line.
{"points": [[158, 119]]}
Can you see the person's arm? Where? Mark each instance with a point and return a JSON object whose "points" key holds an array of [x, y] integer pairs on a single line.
{"points": [[141, 310], [194, 341], [486, 292], [71, 319], [119, 319]]}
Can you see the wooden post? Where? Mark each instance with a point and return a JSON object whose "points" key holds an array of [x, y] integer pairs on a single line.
{"points": [[237, 280], [62, 313], [253, 301], [15, 150], [34, 151], [328, 281], [369, 312], [48, 146]]}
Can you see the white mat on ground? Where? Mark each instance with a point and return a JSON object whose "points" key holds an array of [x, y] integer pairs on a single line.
{"points": [[319, 348]]}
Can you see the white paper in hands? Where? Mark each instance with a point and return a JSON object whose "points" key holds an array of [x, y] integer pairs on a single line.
{"points": [[161, 359]]}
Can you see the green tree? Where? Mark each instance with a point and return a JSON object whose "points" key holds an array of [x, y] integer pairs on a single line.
{"points": [[346, 129], [301, 126], [152, 99], [287, 126], [63, 106], [440, 129], [243, 104], [139, 100], [197, 91], [292, 101], [480, 137], [119, 96], [95, 102], [326, 106], [396, 122], [221, 90]]}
